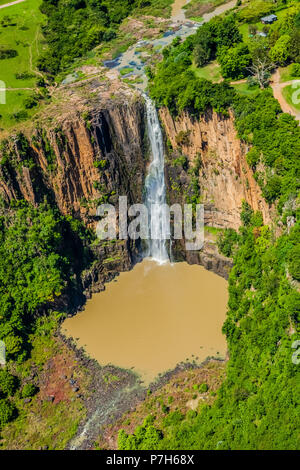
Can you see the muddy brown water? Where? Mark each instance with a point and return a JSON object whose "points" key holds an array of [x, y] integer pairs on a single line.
{"points": [[153, 317]]}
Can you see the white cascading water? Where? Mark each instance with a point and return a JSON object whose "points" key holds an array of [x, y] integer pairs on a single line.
{"points": [[155, 189]]}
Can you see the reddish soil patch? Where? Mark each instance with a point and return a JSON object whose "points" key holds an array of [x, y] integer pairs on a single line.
{"points": [[55, 382]]}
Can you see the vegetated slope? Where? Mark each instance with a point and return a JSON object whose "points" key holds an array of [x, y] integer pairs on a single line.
{"points": [[258, 404], [76, 26]]}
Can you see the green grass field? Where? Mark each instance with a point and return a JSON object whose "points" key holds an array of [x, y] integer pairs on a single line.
{"points": [[244, 28], [20, 31], [244, 89], [210, 72], [292, 96], [285, 74]]}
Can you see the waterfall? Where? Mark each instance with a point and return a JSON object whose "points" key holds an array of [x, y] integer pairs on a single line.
{"points": [[155, 189]]}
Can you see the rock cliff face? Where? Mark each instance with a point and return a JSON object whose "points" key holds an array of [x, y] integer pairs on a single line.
{"points": [[88, 155], [84, 160], [206, 163], [218, 158]]}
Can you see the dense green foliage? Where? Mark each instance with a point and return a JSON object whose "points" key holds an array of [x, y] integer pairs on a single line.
{"points": [[36, 266], [28, 390], [221, 39], [8, 383], [275, 138], [7, 411], [177, 87]]}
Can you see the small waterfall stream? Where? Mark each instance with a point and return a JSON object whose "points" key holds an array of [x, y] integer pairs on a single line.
{"points": [[155, 189]]}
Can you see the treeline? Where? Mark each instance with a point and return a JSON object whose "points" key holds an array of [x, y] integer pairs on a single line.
{"points": [[74, 27]]}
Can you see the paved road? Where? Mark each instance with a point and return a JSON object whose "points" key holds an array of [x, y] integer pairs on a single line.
{"points": [[10, 4]]}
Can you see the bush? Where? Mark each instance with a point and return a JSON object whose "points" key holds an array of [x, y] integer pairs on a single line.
{"points": [[7, 53], [8, 383], [253, 157], [203, 388], [294, 262], [234, 61], [30, 102], [280, 52], [29, 390], [7, 412], [295, 72]]}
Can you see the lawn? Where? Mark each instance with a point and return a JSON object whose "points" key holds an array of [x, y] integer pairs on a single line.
{"points": [[292, 95], [210, 72], [3, 2], [244, 28], [244, 89], [285, 74], [20, 31]]}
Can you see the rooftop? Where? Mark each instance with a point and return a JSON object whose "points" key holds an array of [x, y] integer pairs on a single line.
{"points": [[269, 17]]}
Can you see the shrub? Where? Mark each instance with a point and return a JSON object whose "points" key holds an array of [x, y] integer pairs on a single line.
{"points": [[7, 412], [234, 61], [294, 262], [280, 52], [29, 390], [203, 388], [30, 102], [295, 72], [7, 53], [8, 383]]}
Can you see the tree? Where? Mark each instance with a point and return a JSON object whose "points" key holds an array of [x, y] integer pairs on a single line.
{"points": [[294, 262], [260, 71], [234, 61], [252, 29], [201, 55], [7, 412], [280, 52], [8, 383]]}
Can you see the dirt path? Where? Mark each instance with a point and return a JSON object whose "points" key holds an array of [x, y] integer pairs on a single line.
{"points": [[15, 89], [178, 12], [12, 3], [277, 90], [219, 10]]}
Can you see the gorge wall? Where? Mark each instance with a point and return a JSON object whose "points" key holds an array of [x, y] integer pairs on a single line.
{"points": [[99, 151], [207, 164], [87, 158], [224, 177]]}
